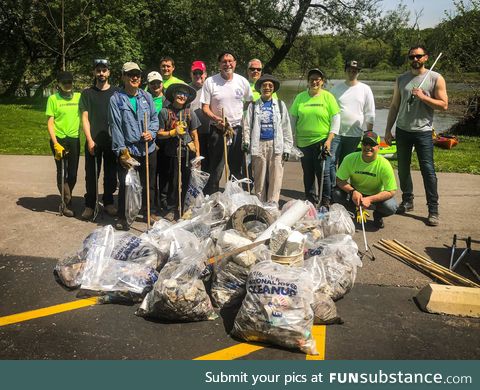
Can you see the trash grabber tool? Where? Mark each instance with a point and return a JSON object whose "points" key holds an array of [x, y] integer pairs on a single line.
{"points": [[62, 184], [225, 150], [97, 205], [147, 176], [179, 158], [412, 97], [367, 248], [246, 172], [323, 156]]}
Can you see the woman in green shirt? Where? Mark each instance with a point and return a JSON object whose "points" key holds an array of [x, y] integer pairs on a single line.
{"points": [[316, 119], [63, 127]]}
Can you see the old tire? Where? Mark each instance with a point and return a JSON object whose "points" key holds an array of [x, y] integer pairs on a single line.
{"points": [[247, 213]]}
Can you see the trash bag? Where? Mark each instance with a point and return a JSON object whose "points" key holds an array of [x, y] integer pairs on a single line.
{"points": [[277, 308], [69, 271], [324, 310], [337, 221], [198, 180], [238, 197], [341, 245], [311, 213], [332, 275], [133, 195], [128, 247], [103, 273], [179, 293], [295, 153]]}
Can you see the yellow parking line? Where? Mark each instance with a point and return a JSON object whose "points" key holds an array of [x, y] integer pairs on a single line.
{"points": [[319, 333], [231, 353], [46, 311]]}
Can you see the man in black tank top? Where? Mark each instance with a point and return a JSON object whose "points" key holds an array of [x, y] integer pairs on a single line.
{"points": [[412, 109]]}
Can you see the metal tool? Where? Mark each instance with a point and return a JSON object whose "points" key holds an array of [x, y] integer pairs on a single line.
{"points": [[97, 204], [225, 149], [246, 171], [465, 252], [473, 271], [179, 158], [454, 244], [324, 152], [368, 251], [412, 97], [62, 183]]}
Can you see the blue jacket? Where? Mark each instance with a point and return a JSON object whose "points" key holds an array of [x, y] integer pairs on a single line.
{"points": [[127, 126]]}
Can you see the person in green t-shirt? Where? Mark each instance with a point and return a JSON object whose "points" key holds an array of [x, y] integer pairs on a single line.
{"points": [[155, 88], [367, 179], [167, 66], [63, 126], [316, 120]]}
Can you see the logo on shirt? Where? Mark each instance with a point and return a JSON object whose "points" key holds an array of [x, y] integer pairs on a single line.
{"points": [[314, 105], [366, 173], [238, 93]]}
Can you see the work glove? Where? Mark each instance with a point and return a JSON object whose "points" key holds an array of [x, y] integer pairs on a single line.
{"points": [[246, 147], [178, 130], [285, 156], [126, 161], [362, 216], [59, 151]]}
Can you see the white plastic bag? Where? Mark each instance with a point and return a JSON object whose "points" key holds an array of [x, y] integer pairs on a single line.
{"points": [[133, 195], [337, 221], [237, 196], [277, 308], [198, 180]]}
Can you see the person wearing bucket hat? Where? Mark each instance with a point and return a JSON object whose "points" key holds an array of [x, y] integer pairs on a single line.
{"points": [[268, 138], [224, 98], [63, 125], [178, 127], [316, 119], [367, 179], [132, 137], [98, 141]]}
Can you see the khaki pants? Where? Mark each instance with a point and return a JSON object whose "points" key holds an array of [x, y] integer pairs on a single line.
{"points": [[272, 163]]}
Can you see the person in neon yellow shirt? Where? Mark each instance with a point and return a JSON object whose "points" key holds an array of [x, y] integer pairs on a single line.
{"points": [[63, 126], [167, 66], [254, 71], [367, 179], [316, 119]]}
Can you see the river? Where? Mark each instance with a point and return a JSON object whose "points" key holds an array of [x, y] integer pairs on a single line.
{"points": [[381, 90]]}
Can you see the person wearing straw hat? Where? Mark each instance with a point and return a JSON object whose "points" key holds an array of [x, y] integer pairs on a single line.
{"points": [[178, 127], [268, 138], [366, 179], [126, 115]]}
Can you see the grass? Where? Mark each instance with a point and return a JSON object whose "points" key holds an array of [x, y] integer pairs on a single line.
{"points": [[23, 131]]}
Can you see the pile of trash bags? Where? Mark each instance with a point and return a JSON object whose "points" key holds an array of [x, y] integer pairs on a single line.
{"points": [[299, 261]]}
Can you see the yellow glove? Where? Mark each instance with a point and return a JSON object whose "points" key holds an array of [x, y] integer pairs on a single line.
{"points": [[59, 151], [362, 216], [123, 159], [181, 128]]}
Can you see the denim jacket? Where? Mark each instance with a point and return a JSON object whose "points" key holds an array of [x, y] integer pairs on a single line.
{"points": [[127, 126], [282, 131]]}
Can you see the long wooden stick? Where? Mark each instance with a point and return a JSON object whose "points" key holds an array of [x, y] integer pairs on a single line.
{"points": [[147, 175], [179, 155], [225, 150]]}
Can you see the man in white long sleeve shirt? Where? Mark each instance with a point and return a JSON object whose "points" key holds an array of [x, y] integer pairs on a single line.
{"points": [[357, 111]]}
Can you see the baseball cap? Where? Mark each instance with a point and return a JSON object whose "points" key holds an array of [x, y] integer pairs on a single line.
{"points": [[199, 65], [154, 76], [128, 66], [370, 136], [315, 70], [64, 76], [352, 64], [101, 61]]}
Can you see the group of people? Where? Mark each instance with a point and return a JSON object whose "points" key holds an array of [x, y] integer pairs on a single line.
{"points": [[226, 117]]}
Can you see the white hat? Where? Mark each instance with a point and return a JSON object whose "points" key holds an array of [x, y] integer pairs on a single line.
{"points": [[128, 66], [154, 76]]}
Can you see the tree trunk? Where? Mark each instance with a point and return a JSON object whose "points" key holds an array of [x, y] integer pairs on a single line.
{"points": [[17, 79]]}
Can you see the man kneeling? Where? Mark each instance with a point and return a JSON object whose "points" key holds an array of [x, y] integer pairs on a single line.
{"points": [[367, 179]]}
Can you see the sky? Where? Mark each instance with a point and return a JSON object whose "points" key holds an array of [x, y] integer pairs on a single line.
{"points": [[433, 10]]}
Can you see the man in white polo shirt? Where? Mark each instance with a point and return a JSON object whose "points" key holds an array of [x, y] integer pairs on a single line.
{"points": [[228, 92]]}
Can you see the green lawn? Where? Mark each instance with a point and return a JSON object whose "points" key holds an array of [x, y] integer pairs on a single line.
{"points": [[23, 130]]}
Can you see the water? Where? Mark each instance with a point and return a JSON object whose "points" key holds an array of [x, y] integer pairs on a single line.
{"points": [[381, 90]]}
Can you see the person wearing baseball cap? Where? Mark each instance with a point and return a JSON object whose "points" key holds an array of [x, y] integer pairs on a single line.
{"points": [[98, 141], [198, 74], [357, 111], [63, 125], [155, 87], [367, 179], [132, 138], [316, 119]]}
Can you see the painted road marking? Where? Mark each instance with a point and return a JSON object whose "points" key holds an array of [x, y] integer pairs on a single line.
{"points": [[231, 353], [47, 311], [318, 332]]}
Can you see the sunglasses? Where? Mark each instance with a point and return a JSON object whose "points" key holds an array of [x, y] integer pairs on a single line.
{"points": [[369, 143], [415, 56], [182, 94], [255, 69], [133, 74], [100, 62]]}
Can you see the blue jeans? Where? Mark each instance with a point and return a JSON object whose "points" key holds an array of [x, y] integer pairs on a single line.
{"points": [[313, 167], [422, 140], [341, 146], [382, 209]]}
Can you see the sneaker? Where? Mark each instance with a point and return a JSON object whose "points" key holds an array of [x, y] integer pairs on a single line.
{"points": [[433, 219], [378, 221], [87, 213], [111, 210], [405, 207], [122, 225], [325, 202]]}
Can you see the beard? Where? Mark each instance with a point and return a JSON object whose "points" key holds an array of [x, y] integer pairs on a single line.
{"points": [[416, 65]]}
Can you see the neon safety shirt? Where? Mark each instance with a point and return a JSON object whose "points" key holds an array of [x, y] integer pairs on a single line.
{"points": [[66, 115]]}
